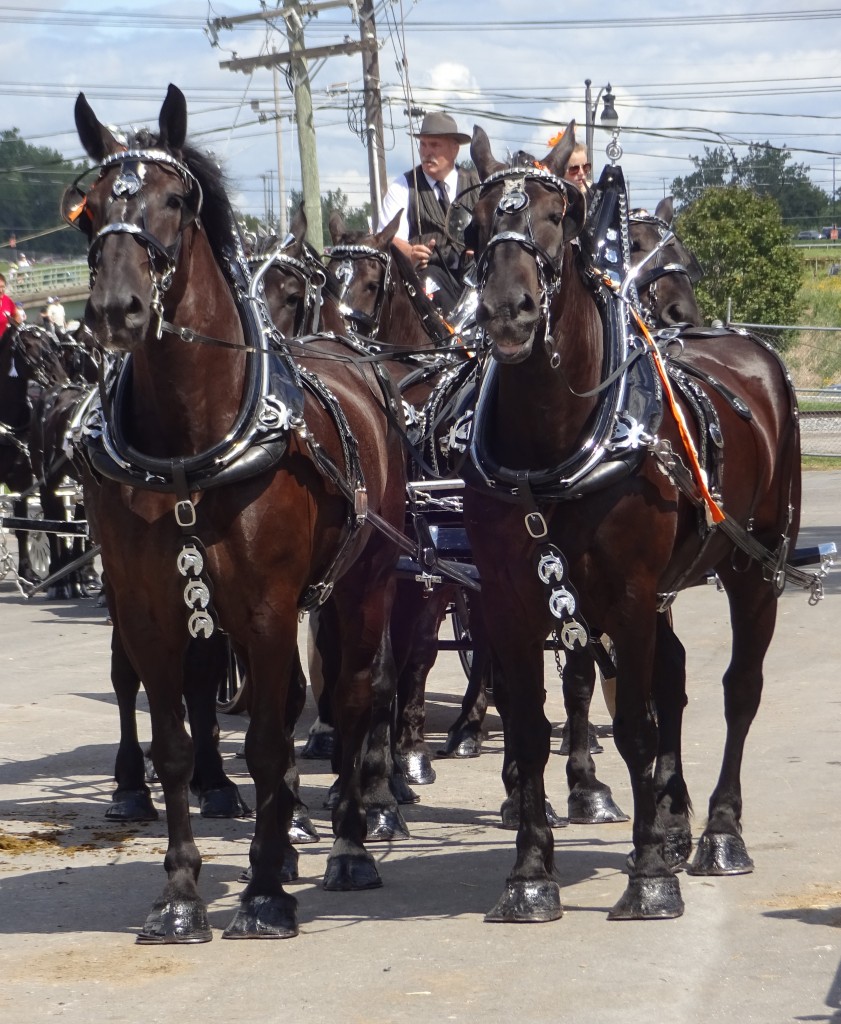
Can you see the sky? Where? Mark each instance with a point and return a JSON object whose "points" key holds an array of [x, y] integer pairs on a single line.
{"points": [[684, 76]]}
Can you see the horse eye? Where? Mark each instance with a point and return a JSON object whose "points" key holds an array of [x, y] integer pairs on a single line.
{"points": [[175, 202], [635, 246]]}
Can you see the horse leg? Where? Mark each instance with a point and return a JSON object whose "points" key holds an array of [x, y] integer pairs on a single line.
{"points": [[753, 613], [349, 865], [673, 804], [179, 915], [531, 892], [66, 588], [415, 621], [204, 671], [381, 777], [324, 670], [590, 801], [132, 799], [464, 737], [266, 910], [301, 830], [653, 890]]}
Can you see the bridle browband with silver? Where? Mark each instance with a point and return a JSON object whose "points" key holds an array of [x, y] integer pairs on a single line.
{"points": [[346, 254], [515, 200]]}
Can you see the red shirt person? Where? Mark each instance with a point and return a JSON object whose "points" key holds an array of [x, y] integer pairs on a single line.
{"points": [[8, 310]]}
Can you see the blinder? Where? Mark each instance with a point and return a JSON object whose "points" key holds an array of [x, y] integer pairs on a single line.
{"points": [[346, 254]]}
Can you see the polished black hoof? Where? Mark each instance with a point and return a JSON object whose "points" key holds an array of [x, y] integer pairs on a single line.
{"points": [[527, 903], [319, 746], [720, 853], [264, 917], [593, 807], [385, 825], [649, 899], [417, 767], [351, 872], [331, 801], [131, 805], [676, 850], [224, 802], [401, 790], [302, 830], [510, 813], [176, 921], [553, 819], [461, 743]]}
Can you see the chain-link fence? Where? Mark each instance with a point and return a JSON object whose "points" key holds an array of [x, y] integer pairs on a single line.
{"points": [[813, 358]]}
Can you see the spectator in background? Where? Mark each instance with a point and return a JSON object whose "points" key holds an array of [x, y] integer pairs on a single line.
{"points": [[579, 169], [55, 311], [8, 310]]}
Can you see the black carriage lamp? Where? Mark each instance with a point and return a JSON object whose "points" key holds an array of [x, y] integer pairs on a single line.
{"points": [[609, 118], [610, 121]]}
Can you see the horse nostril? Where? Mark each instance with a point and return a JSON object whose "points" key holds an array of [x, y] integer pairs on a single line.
{"points": [[527, 306]]}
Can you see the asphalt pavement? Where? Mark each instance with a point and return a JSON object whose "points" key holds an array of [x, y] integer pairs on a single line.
{"points": [[763, 947]]}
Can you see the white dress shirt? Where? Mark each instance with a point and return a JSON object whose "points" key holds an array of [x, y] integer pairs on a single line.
{"points": [[397, 198]]}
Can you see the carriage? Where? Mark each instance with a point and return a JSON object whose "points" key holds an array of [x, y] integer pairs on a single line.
{"points": [[314, 515]]}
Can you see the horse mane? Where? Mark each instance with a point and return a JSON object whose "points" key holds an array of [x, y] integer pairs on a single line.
{"points": [[217, 215]]}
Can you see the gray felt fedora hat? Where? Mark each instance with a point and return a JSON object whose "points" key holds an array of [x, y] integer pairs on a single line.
{"points": [[439, 123]]}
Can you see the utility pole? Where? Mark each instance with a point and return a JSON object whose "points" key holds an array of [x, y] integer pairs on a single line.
{"points": [[283, 221], [307, 149], [296, 58], [373, 108]]}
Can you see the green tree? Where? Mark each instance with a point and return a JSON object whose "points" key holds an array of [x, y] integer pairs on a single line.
{"points": [[355, 217], [768, 171], [32, 181], [747, 256]]}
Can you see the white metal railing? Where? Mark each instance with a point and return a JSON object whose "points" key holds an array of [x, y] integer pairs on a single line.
{"points": [[40, 280]]}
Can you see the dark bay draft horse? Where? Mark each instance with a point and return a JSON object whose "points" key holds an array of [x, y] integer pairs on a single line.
{"points": [[664, 269], [228, 481], [382, 294], [29, 362], [587, 512]]}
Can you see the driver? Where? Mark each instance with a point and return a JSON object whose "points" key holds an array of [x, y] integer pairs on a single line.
{"points": [[424, 194]]}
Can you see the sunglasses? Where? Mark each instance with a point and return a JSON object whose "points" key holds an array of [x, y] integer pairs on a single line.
{"points": [[575, 168]]}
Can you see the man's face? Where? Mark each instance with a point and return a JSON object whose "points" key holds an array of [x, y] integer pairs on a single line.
{"points": [[438, 155]]}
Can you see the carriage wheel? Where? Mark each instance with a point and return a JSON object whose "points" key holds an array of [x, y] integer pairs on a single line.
{"points": [[460, 615], [38, 546], [232, 698]]}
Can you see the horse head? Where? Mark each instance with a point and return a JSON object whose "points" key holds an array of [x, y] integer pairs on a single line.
{"points": [[361, 264], [525, 216], [141, 217], [293, 278], [665, 282]]}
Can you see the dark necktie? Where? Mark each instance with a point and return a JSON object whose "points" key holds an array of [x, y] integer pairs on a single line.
{"points": [[441, 191]]}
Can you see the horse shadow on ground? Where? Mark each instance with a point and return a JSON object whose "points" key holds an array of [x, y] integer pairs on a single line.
{"points": [[829, 917], [439, 883]]}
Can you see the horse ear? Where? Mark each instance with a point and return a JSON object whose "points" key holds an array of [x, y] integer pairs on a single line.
{"points": [[384, 237], [481, 155], [576, 212], [298, 227], [172, 121], [95, 137], [558, 158], [336, 226], [666, 210]]}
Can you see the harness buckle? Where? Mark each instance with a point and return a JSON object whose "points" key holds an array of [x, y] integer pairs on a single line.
{"points": [[185, 513], [536, 525], [360, 505]]}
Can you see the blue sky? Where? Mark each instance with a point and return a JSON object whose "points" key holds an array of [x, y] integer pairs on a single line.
{"points": [[684, 75]]}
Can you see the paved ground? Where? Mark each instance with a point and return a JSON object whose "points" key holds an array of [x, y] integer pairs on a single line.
{"points": [[763, 947]]}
